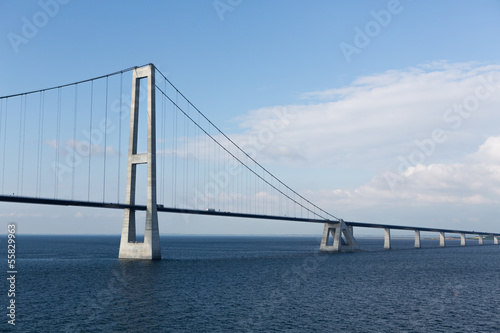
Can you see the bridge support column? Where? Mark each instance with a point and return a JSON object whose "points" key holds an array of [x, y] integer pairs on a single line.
{"points": [[495, 240], [462, 239], [150, 248], [343, 239], [441, 239], [417, 239], [387, 239], [480, 239]]}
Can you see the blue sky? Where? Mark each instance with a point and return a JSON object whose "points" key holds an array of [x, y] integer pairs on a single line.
{"points": [[357, 115]]}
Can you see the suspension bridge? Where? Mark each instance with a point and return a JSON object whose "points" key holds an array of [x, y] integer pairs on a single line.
{"points": [[66, 145]]}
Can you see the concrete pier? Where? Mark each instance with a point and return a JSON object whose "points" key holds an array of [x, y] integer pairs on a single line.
{"points": [[417, 239], [462, 239], [387, 238], [480, 240], [343, 239], [150, 248], [495, 240], [351, 229], [441, 239]]}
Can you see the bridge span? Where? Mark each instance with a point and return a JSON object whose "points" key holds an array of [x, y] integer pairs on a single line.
{"points": [[68, 138], [344, 229]]}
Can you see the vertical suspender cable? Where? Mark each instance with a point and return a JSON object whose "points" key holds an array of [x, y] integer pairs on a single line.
{"points": [[23, 147], [230, 179], [216, 173], [279, 201], [186, 162], [265, 197], [164, 145], [164, 150], [206, 188], [58, 137], [39, 146], [90, 135], [173, 156], [160, 146], [175, 152], [105, 141], [198, 164], [1, 131], [256, 191], [41, 140], [75, 144], [19, 148], [213, 172], [4, 140], [238, 186], [249, 192], [211, 198], [119, 138], [182, 133], [22, 143], [247, 201], [236, 192], [198, 160], [159, 149]]}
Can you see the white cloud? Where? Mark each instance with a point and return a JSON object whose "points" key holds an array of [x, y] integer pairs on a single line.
{"points": [[371, 122], [378, 117], [381, 120], [444, 189], [489, 151]]}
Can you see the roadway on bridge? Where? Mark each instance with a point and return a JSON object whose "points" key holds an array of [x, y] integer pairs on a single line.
{"points": [[210, 212]]}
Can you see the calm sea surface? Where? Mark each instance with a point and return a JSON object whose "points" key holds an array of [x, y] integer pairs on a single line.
{"points": [[253, 284]]}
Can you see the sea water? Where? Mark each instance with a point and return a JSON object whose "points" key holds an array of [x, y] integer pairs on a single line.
{"points": [[253, 284]]}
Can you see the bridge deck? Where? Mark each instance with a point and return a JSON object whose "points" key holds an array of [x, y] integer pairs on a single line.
{"points": [[160, 208]]}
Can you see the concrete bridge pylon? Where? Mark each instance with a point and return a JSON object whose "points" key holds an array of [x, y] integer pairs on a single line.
{"points": [[150, 247]]}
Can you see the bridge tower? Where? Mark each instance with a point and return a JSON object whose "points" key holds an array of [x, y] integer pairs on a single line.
{"points": [[129, 247]]}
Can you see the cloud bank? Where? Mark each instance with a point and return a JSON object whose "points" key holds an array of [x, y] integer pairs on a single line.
{"points": [[428, 136], [379, 117]]}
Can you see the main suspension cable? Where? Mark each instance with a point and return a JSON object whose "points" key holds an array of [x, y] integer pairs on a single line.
{"points": [[236, 158], [245, 153]]}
